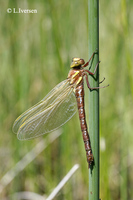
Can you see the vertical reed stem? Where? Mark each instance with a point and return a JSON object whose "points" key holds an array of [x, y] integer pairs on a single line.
{"points": [[93, 23]]}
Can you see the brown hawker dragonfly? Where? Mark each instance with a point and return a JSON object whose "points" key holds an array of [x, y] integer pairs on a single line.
{"points": [[58, 107]]}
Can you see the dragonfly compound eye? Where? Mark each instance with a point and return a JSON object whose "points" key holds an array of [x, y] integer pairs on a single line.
{"points": [[82, 61]]}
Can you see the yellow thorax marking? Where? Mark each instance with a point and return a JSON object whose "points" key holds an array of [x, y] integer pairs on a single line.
{"points": [[80, 78], [77, 72], [73, 76]]}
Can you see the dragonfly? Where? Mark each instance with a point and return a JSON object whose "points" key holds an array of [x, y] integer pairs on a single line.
{"points": [[59, 106]]}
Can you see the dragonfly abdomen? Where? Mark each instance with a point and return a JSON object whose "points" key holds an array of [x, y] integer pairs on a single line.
{"points": [[79, 93]]}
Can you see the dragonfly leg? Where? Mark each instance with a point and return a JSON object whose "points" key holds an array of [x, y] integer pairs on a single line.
{"points": [[89, 84], [86, 64], [92, 73], [102, 80]]}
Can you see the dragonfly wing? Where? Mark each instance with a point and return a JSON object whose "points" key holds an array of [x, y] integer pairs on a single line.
{"points": [[59, 108], [44, 103]]}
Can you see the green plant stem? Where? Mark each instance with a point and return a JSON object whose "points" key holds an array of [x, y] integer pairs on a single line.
{"points": [[93, 21]]}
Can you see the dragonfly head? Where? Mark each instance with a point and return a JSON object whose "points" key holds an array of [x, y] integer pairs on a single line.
{"points": [[77, 62]]}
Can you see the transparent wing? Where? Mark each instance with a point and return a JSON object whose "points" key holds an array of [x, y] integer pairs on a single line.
{"points": [[47, 115]]}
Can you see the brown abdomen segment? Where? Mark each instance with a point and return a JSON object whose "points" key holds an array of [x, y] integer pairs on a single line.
{"points": [[79, 93]]}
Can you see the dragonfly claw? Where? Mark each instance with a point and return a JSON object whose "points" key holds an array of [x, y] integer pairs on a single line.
{"points": [[102, 80]]}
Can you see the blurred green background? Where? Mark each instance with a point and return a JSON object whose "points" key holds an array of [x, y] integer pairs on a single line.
{"points": [[35, 55]]}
